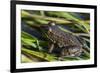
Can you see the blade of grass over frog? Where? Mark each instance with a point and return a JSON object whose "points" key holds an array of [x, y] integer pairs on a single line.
{"points": [[58, 20], [42, 55]]}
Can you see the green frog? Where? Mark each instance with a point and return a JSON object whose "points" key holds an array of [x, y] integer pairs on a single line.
{"points": [[68, 43]]}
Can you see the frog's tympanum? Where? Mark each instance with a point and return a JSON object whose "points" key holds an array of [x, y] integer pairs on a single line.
{"points": [[67, 42]]}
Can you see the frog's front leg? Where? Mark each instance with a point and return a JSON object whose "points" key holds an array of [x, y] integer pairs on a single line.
{"points": [[51, 47]]}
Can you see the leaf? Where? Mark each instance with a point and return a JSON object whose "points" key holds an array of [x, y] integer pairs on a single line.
{"points": [[39, 54], [28, 36], [25, 59], [25, 14], [73, 20]]}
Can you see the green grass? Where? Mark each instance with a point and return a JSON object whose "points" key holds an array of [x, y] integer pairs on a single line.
{"points": [[33, 48]]}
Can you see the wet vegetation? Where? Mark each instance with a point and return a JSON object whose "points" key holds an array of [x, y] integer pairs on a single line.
{"points": [[35, 47]]}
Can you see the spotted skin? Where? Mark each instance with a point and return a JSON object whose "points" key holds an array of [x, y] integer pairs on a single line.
{"points": [[69, 44]]}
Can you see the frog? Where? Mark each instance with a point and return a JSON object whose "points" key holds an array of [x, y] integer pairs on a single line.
{"points": [[68, 43]]}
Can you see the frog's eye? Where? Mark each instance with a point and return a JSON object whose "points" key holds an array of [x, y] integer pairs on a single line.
{"points": [[52, 23]]}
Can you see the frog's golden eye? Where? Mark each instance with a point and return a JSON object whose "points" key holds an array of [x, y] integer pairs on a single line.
{"points": [[52, 24]]}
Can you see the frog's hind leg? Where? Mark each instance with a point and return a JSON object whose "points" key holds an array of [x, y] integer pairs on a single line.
{"points": [[64, 53], [70, 52], [75, 51]]}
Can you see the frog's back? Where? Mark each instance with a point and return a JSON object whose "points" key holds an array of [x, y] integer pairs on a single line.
{"points": [[62, 38]]}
